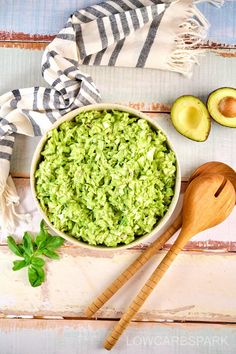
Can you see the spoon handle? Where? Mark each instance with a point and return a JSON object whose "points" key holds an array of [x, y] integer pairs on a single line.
{"points": [[133, 268], [143, 294]]}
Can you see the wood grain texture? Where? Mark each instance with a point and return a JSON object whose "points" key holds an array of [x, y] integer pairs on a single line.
{"points": [[45, 18], [84, 337], [226, 53], [73, 282], [77, 337], [41, 45], [145, 89], [23, 45], [222, 22]]}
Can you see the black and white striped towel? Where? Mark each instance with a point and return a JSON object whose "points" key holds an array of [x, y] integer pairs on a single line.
{"points": [[135, 33]]}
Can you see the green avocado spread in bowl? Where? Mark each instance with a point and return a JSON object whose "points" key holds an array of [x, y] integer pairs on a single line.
{"points": [[105, 177]]}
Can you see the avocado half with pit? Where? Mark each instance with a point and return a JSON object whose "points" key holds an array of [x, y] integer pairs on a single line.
{"points": [[221, 105], [190, 118]]}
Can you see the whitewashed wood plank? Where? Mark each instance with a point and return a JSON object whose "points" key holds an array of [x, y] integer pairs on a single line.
{"points": [[24, 148], [85, 337], [197, 287], [220, 146], [146, 88]]}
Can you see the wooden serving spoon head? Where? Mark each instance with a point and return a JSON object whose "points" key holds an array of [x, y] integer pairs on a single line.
{"points": [[209, 199], [215, 167]]}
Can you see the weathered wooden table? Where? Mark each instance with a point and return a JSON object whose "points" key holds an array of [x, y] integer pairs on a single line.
{"points": [[193, 310]]}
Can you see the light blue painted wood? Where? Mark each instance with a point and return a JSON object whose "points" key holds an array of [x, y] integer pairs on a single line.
{"points": [[49, 16], [85, 337], [41, 17], [222, 21]]}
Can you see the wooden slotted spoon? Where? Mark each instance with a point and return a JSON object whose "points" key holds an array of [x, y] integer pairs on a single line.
{"points": [[209, 199], [213, 167]]}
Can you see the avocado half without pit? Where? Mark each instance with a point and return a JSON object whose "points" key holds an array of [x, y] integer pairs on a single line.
{"points": [[190, 118], [221, 105]]}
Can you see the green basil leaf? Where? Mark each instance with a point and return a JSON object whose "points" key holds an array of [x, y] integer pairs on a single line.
{"points": [[28, 244], [17, 265], [54, 242], [21, 248], [32, 275], [42, 236], [50, 254], [27, 258], [14, 247], [44, 227], [38, 262], [36, 275], [41, 274]]}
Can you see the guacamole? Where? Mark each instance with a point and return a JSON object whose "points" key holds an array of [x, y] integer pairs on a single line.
{"points": [[105, 177]]}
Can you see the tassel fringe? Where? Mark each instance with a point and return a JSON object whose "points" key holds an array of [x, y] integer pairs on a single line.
{"points": [[9, 200], [191, 33]]}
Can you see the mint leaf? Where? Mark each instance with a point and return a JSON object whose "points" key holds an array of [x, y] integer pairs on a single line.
{"points": [[13, 246]]}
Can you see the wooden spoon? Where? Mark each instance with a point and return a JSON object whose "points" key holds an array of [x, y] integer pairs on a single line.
{"points": [[215, 167], [207, 168], [208, 201]]}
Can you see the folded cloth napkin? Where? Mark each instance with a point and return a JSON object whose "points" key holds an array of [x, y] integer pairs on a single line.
{"points": [[135, 33]]}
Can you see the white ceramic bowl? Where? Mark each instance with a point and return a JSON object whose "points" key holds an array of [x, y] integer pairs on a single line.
{"points": [[69, 116]]}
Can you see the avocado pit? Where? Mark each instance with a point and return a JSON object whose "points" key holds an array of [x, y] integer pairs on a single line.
{"points": [[227, 107], [221, 105]]}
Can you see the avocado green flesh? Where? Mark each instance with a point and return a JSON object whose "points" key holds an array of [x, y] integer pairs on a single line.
{"points": [[191, 118], [105, 177], [213, 106]]}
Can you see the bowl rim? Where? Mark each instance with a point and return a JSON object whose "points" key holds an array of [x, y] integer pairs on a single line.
{"points": [[69, 116]]}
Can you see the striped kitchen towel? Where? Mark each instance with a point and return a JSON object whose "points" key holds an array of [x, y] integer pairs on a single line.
{"points": [[135, 33]]}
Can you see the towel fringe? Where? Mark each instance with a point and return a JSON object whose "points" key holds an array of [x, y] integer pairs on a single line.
{"points": [[194, 31], [9, 200]]}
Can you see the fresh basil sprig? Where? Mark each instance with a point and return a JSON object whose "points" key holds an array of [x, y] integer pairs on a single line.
{"points": [[30, 250]]}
